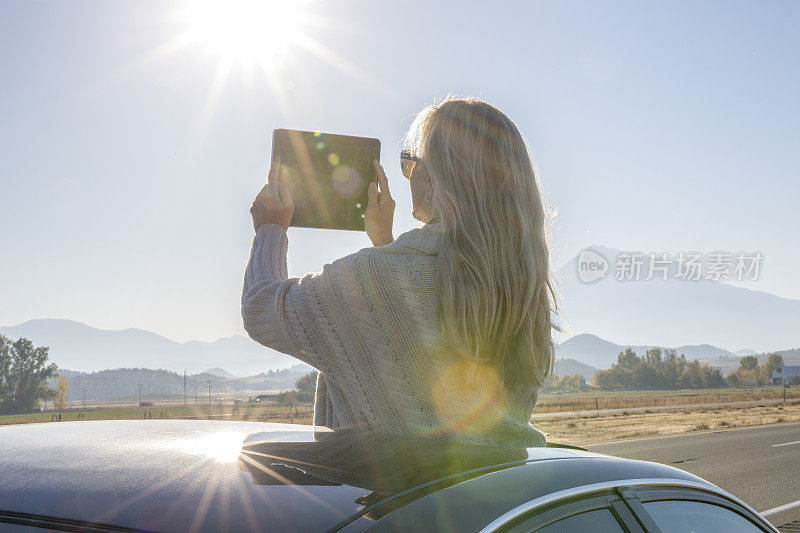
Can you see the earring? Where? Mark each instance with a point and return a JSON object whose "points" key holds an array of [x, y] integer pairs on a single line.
{"points": [[427, 197]]}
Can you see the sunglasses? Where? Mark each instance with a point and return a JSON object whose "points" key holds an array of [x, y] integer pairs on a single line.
{"points": [[409, 163]]}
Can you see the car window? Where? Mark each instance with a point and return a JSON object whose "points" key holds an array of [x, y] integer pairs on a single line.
{"points": [[676, 516], [597, 521]]}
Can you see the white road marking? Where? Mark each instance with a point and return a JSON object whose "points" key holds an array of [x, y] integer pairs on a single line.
{"points": [[782, 508], [786, 444]]}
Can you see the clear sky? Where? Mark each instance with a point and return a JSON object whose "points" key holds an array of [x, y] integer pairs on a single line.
{"points": [[133, 139]]}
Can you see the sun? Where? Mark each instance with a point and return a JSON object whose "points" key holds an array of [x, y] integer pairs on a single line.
{"points": [[244, 31]]}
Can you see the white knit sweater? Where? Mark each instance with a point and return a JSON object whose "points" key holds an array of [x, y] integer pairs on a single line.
{"points": [[370, 322]]}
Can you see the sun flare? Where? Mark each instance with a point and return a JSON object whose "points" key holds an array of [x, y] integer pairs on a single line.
{"points": [[244, 31]]}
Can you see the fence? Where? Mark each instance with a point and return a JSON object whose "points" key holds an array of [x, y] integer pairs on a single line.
{"points": [[589, 401]]}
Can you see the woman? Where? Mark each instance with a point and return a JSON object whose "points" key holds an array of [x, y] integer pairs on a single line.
{"points": [[443, 332]]}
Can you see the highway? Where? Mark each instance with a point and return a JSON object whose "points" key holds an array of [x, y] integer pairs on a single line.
{"points": [[760, 465]]}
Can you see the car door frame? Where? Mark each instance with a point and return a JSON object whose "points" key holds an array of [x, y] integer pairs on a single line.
{"points": [[547, 515], [629, 489]]}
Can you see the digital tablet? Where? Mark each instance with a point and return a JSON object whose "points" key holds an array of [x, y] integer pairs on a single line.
{"points": [[328, 175]]}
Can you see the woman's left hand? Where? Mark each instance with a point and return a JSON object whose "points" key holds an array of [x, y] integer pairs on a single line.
{"points": [[274, 202]]}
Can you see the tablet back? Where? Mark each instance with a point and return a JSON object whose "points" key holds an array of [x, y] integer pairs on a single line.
{"points": [[328, 175]]}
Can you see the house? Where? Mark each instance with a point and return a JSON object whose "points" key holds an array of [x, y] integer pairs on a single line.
{"points": [[786, 375], [264, 398]]}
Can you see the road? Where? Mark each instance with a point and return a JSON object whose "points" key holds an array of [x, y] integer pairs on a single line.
{"points": [[760, 465]]}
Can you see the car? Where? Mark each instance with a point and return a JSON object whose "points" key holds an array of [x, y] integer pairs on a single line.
{"points": [[204, 475]]}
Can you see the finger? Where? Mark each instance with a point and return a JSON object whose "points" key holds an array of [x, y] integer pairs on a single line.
{"points": [[372, 190], [272, 177], [284, 190], [382, 180]]}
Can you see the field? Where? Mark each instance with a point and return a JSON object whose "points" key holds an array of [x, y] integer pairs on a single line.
{"points": [[583, 428], [567, 418], [596, 400], [265, 412]]}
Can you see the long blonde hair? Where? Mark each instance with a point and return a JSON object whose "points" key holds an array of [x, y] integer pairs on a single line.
{"points": [[493, 261]]}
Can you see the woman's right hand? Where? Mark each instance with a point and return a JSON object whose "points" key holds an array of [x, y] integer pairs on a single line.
{"points": [[379, 217]]}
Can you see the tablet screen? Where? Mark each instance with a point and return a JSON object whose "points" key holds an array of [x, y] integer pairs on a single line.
{"points": [[328, 175]]}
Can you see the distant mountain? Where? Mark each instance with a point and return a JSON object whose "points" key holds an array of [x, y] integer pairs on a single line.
{"points": [[80, 347], [600, 353], [673, 312], [589, 350], [567, 367], [219, 372], [791, 357], [123, 383], [745, 352], [699, 351]]}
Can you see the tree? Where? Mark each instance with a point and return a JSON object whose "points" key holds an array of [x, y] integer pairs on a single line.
{"points": [[551, 382], [742, 378], [61, 393], [571, 383], [5, 371], [287, 397], [766, 368], [306, 387], [659, 368], [749, 362], [23, 375], [307, 383]]}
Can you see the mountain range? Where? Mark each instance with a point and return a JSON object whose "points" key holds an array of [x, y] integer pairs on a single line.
{"points": [[81, 348], [701, 319], [599, 353], [76, 346], [568, 367]]}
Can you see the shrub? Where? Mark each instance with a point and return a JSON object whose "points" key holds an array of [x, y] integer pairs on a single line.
{"points": [[287, 398]]}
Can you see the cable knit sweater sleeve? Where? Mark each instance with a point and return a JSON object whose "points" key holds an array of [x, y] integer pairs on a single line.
{"points": [[314, 318], [285, 313]]}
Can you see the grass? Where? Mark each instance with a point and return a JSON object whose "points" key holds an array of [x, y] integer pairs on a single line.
{"points": [[592, 400], [267, 412], [583, 429]]}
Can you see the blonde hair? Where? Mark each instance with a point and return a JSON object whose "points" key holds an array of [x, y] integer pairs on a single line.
{"points": [[493, 260]]}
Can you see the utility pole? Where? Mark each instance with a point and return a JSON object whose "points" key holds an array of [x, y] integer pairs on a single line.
{"points": [[209, 392], [184, 387], [84, 399], [195, 393], [140, 394]]}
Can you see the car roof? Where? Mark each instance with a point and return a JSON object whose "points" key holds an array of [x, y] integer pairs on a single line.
{"points": [[170, 475]]}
